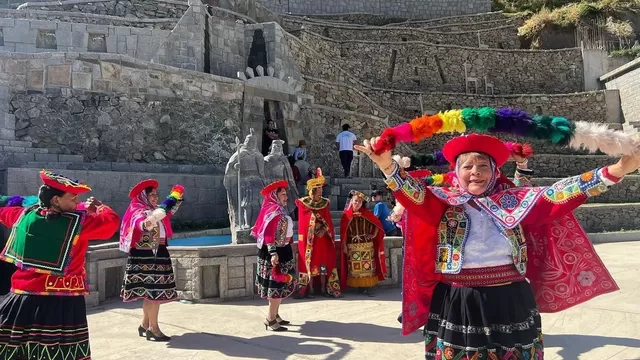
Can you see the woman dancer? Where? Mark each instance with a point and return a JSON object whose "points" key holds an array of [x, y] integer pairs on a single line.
{"points": [[45, 315], [456, 251], [144, 233], [362, 260], [276, 266]]}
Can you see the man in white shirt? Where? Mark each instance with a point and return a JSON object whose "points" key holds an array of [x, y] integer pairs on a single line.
{"points": [[345, 142]]}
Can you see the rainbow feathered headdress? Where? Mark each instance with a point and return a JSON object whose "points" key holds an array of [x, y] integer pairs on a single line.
{"points": [[555, 129]]}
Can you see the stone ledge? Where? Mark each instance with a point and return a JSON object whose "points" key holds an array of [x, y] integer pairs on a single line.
{"points": [[53, 13]]}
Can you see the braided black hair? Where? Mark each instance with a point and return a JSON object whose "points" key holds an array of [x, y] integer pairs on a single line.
{"points": [[45, 194]]}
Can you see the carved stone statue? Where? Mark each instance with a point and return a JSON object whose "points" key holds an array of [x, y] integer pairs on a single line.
{"points": [[277, 167], [251, 182]]}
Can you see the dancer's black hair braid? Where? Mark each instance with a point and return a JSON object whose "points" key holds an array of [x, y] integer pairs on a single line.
{"points": [[45, 194]]}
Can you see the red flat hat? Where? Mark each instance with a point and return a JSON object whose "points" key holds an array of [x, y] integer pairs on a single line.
{"points": [[485, 144], [63, 183], [273, 186], [141, 186]]}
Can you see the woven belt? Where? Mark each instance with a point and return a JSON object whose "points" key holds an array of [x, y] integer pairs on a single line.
{"points": [[488, 276]]}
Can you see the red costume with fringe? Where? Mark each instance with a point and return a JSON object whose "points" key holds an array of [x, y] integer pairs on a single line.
{"points": [[363, 264]]}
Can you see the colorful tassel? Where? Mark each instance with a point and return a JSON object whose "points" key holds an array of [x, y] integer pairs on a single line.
{"points": [[555, 129]]}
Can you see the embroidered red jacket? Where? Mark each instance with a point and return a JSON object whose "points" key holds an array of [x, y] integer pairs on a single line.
{"points": [[99, 226]]}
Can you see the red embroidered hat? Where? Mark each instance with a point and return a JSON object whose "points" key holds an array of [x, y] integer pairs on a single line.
{"points": [[141, 186], [273, 186], [485, 144], [63, 183]]}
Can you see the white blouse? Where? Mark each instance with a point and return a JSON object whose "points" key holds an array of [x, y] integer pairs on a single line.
{"points": [[485, 245], [289, 226]]}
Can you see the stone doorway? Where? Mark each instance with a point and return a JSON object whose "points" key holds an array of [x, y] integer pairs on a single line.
{"points": [[258, 51], [273, 111]]}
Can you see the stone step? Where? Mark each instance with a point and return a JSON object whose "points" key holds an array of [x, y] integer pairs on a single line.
{"points": [[59, 158]]}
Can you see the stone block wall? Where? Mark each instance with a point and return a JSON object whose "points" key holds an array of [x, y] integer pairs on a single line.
{"points": [[226, 46], [204, 200], [93, 19], [500, 37], [409, 9], [141, 9], [351, 18], [116, 108], [626, 79], [429, 67], [184, 48], [32, 36]]}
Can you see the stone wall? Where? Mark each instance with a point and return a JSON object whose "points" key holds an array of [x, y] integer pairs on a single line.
{"points": [[501, 37], [93, 19], [185, 47], [226, 47], [116, 108], [141, 9], [32, 36], [463, 26], [409, 9], [205, 198], [351, 18], [321, 125], [447, 20], [429, 67], [627, 80]]}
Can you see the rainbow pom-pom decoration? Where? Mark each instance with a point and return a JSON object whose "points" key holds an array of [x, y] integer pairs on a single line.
{"points": [[176, 194], [555, 129]]}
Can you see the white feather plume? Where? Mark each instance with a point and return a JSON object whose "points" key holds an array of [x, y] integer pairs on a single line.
{"points": [[596, 136]]}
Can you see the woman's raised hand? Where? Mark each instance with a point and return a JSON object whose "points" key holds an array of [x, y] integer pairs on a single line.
{"points": [[384, 160], [626, 165]]}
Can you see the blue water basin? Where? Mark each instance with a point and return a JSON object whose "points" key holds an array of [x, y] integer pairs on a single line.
{"points": [[210, 240]]}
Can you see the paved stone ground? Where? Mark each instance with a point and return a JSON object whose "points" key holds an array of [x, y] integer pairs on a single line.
{"points": [[608, 327]]}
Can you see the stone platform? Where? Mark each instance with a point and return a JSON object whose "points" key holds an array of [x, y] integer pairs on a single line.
{"points": [[359, 328]]}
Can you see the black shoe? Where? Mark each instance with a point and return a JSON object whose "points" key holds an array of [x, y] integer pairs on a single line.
{"points": [[281, 321], [141, 331], [160, 338], [400, 318], [274, 326]]}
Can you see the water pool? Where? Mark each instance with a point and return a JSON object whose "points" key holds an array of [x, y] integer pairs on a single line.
{"points": [[211, 240]]}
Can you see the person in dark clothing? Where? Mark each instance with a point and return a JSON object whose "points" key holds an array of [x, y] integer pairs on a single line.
{"points": [[270, 134]]}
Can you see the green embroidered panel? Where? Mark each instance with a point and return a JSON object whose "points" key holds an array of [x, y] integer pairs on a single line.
{"points": [[41, 244]]}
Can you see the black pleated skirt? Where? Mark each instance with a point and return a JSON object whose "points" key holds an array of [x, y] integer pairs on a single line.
{"points": [[44, 327], [268, 288], [149, 276], [499, 322]]}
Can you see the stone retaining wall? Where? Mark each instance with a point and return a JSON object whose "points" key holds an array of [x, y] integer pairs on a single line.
{"points": [[205, 196], [141, 9], [164, 24], [116, 108], [408, 9], [500, 37], [353, 18], [626, 79], [429, 67], [473, 18]]}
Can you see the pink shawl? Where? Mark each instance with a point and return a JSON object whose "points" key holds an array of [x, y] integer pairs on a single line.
{"points": [[138, 210], [271, 208]]}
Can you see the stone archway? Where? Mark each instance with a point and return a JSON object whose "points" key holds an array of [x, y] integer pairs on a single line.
{"points": [[275, 94]]}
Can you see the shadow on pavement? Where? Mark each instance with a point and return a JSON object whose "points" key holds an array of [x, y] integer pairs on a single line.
{"points": [[264, 347], [575, 345], [360, 332]]}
